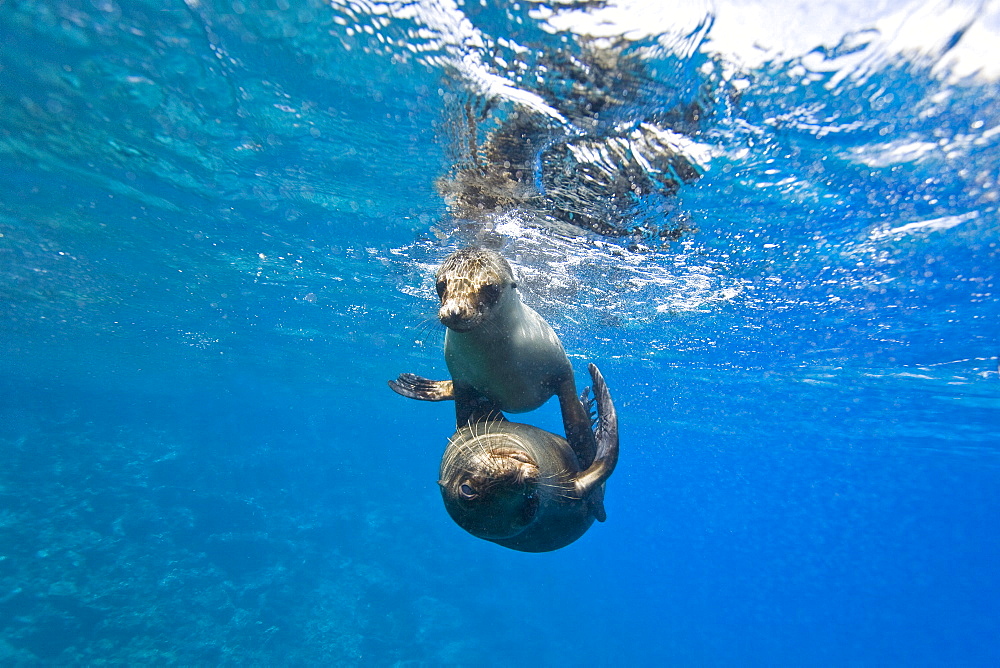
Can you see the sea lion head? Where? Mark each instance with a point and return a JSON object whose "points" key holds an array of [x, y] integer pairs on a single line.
{"points": [[472, 283], [489, 484]]}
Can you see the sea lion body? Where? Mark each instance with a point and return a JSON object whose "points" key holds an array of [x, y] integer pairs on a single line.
{"points": [[524, 488], [501, 354], [517, 361]]}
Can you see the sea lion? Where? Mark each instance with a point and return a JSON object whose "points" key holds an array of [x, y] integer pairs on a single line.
{"points": [[502, 355], [522, 487]]}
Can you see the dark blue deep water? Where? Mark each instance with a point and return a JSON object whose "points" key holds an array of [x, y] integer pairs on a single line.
{"points": [[218, 230]]}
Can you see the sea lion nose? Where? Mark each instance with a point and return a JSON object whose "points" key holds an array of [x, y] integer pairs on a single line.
{"points": [[449, 314]]}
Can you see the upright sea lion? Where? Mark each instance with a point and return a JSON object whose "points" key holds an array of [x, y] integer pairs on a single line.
{"points": [[502, 355], [524, 488]]}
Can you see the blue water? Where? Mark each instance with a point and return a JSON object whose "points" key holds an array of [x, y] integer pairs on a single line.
{"points": [[218, 231]]}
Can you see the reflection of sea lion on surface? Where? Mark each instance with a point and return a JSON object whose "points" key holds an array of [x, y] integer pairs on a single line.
{"points": [[502, 355], [605, 157], [524, 488]]}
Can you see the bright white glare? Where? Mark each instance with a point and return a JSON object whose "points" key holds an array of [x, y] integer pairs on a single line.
{"points": [[749, 33]]}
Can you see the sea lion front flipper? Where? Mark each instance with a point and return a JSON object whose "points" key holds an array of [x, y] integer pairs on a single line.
{"points": [[417, 387], [588, 482]]}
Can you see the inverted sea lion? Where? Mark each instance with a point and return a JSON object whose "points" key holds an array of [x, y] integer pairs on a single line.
{"points": [[502, 355], [524, 488]]}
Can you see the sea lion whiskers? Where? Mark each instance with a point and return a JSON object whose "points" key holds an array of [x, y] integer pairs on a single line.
{"points": [[486, 422], [476, 436], [452, 452], [472, 428], [480, 441], [559, 491], [467, 448], [491, 329], [492, 417], [461, 447], [423, 328], [558, 481]]}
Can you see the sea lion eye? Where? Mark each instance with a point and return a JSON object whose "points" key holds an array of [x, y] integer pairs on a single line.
{"points": [[491, 294], [466, 491], [441, 285]]}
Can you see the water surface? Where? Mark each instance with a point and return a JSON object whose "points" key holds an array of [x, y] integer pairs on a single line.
{"points": [[218, 237]]}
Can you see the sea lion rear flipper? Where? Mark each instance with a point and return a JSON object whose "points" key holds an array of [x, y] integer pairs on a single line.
{"points": [[576, 422], [604, 464], [589, 407], [607, 425], [417, 387]]}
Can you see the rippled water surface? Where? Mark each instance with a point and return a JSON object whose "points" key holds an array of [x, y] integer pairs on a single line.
{"points": [[773, 226]]}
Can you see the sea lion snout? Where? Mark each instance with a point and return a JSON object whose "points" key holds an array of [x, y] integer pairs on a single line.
{"points": [[455, 314]]}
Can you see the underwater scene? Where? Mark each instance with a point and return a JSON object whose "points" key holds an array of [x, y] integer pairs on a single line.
{"points": [[772, 226]]}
